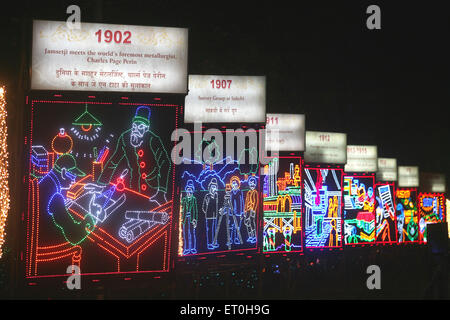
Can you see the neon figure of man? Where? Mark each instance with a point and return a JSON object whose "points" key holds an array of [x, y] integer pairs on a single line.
{"points": [[53, 188], [142, 152], [210, 208], [251, 205], [227, 212], [189, 217], [237, 202]]}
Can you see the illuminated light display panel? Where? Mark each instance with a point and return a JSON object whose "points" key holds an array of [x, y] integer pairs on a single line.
{"points": [[219, 198], [407, 215], [431, 210], [282, 205], [447, 208], [322, 207], [386, 222], [100, 187], [359, 209]]}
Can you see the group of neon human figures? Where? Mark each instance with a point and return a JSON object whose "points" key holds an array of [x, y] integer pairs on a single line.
{"points": [[230, 216]]}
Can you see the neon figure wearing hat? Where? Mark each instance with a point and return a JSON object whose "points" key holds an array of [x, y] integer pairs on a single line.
{"points": [[189, 217], [53, 188], [210, 208], [141, 151]]}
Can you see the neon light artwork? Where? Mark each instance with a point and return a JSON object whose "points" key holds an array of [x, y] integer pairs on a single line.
{"points": [[104, 204], [407, 215], [86, 126], [431, 210], [323, 208], [359, 209], [386, 222], [219, 201], [282, 202]]}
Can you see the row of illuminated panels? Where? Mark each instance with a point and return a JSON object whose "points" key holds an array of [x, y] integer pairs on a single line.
{"points": [[309, 208]]}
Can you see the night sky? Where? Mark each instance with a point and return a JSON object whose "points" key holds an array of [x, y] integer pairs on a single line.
{"points": [[388, 87]]}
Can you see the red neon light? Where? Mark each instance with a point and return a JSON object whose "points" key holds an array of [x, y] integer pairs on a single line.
{"points": [[390, 184]]}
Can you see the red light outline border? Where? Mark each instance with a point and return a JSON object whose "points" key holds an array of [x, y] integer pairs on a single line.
{"points": [[27, 178], [330, 167], [391, 184], [201, 256], [432, 194], [413, 189], [359, 175]]}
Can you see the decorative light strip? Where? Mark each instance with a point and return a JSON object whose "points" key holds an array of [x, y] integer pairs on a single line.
{"points": [[4, 175]]}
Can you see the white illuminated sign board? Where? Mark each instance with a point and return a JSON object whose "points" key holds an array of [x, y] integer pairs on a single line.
{"points": [[326, 147], [361, 159], [109, 57], [387, 169], [432, 182], [285, 132], [408, 176], [223, 99]]}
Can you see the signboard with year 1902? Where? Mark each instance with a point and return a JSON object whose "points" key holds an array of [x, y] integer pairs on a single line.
{"points": [[326, 147], [236, 99], [109, 57]]}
